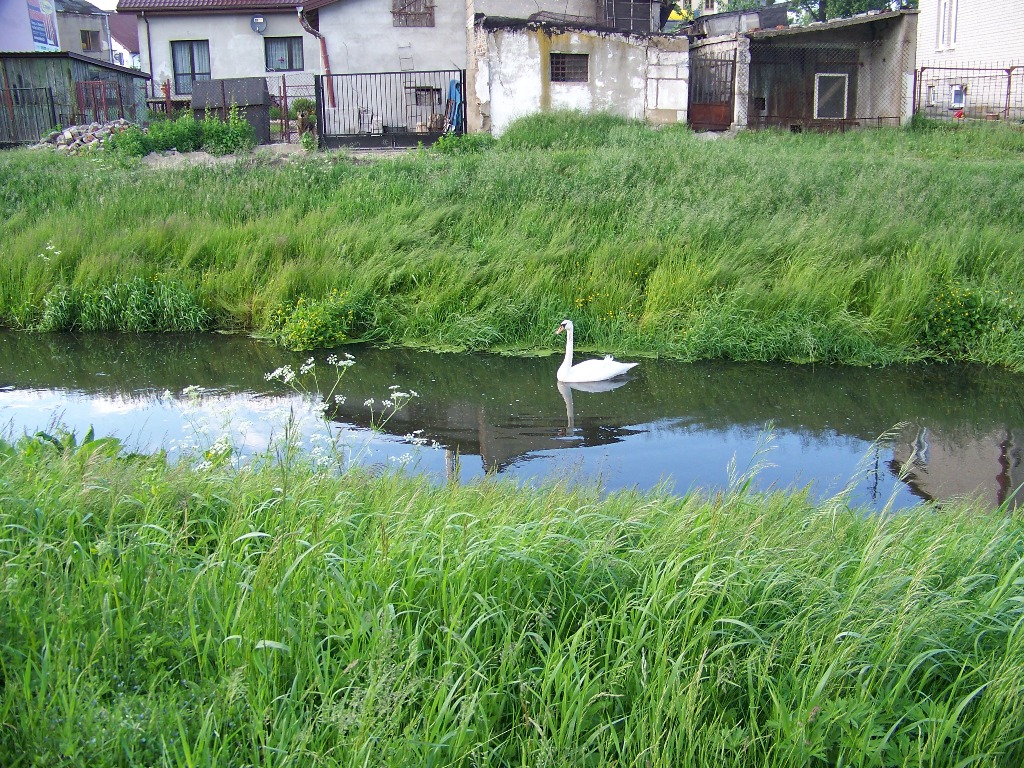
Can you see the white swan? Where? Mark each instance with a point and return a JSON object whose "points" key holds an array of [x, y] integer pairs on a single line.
{"points": [[588, 370]]}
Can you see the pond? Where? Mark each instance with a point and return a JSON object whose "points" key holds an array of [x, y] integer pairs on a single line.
{"points": [[887, 437]]}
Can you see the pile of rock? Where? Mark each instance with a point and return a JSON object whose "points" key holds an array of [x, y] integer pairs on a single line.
{"points": [[82, 138]]}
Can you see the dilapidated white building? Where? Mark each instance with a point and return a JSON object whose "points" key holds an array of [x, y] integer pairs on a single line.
{"points": [[519, 67]]}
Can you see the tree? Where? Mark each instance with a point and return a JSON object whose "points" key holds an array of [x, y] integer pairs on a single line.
{"points": [[823, 10], [743, 5]]}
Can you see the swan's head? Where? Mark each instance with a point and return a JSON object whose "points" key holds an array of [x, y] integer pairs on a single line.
{"points": [[565, 325]]}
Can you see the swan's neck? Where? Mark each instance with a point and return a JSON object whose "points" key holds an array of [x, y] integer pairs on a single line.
{"points": [[567, 362]]}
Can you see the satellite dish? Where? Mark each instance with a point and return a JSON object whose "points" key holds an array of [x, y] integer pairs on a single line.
{"points": [[258, 24]]}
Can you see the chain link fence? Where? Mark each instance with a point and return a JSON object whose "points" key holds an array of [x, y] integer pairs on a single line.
{"points": [[970, 92], [835, 85]]}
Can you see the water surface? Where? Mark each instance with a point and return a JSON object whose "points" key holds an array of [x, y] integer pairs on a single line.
{"points": [[891, 436]]}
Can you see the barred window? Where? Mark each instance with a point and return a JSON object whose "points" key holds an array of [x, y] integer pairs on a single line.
{"points": [[412, 13], [570, 68]]}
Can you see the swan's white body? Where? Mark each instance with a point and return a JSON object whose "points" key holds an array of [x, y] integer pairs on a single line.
{"points": [[588, 370]]}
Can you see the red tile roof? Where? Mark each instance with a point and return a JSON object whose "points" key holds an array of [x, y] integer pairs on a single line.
{"points": [[124, 27], [194, 6]]}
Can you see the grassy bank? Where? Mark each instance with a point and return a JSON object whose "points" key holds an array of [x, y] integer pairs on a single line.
{"points": [[861, 248], [157, 615]]}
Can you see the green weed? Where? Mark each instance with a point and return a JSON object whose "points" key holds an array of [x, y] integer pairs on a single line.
{"points": [[770, 246], [166, 615]]}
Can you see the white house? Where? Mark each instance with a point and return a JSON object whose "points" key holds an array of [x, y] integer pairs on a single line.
{"points": [[124, 39], [970, 56], [971, 32]]}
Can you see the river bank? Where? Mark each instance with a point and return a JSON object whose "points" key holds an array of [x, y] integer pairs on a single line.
{"points": [[862, 249]]}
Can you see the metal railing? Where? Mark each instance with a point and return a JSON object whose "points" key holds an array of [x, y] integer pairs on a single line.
{"points": [[967, 92], [390, 109]]}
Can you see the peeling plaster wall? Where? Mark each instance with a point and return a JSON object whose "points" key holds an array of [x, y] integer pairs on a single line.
{"points": [[634, 77]]}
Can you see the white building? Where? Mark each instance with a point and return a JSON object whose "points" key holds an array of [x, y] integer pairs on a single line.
{"points": [[970, 56], [971, 32]]}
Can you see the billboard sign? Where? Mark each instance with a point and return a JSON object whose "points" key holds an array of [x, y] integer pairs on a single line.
{"points": [[42, 17]]}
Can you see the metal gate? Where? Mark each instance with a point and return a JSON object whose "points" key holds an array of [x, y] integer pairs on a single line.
{"points": [[390, 109], [99, 101], [712, 78]]}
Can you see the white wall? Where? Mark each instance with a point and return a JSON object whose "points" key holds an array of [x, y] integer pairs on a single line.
{"points": [[15, 31], [986, 32], [628, 76], [361, 37], [127, 58], [235, 49], [69, 29]]}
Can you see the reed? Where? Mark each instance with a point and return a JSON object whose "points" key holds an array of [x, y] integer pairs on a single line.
{"points": [[767, 247], [157, 614]]}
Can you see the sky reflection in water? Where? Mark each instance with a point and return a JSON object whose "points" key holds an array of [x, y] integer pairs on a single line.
{"points": [[687, 426]]}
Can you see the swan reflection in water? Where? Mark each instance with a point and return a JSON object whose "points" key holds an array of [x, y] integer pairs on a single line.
{"points": [[565, 389]]}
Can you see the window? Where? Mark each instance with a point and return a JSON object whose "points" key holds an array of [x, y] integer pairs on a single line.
{"points": [[283, 54], [90, 40], [957, 96], [932, 93], [947, 22], [709, 5], [191, 60], [427, 97], [569, 68], [830, 92], [412, 13]]}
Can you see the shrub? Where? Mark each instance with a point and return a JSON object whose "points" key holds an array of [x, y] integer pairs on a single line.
{"points": [[131, 142], [181, 134], [303, 105], [958, 316], [224, 137], [313, 323]]}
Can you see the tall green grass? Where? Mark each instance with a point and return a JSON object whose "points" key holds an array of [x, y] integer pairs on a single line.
{"points": [[767, 247], [159, 615]]}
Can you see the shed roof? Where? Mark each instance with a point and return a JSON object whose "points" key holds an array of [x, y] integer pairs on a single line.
{"points": [[80, 7], [538, 21], [826, 26], [76, 56]]}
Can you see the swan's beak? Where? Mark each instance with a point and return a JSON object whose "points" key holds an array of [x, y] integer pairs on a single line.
{"points": [[559, 329]]}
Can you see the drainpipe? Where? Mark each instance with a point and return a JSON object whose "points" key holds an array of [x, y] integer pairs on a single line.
{"points": [[110, 45], [149, 52], [304, 22]]}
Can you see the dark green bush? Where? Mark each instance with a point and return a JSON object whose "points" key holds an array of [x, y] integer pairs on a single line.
{"points": [[958, 316], [224, 137], [132, 142], [181, 134]]}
